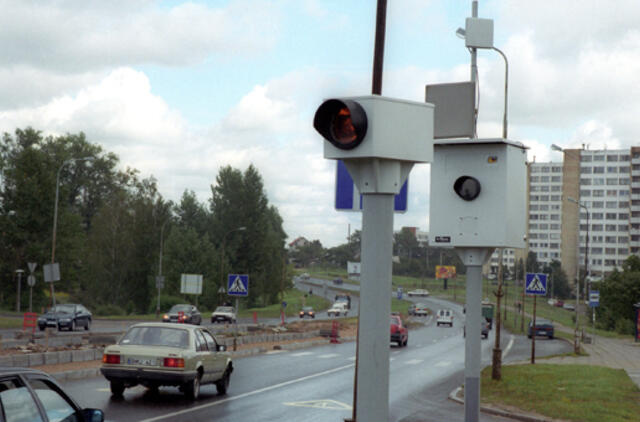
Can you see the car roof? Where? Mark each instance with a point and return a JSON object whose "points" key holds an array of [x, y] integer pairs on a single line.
{"points": [[542, 321], [12, 370], [166, 325]]}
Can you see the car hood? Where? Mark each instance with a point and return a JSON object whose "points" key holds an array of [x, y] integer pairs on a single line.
{"points": [[57, 314]]}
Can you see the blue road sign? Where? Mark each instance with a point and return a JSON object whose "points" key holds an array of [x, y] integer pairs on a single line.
{"points": [[399, 293], [594, 298], [238, 285], [349, 199], [536, 284]]}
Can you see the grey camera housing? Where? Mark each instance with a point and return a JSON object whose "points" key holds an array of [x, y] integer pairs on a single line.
{"points": [[497, 216]]}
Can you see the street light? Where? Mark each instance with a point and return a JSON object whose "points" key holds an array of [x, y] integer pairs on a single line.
{"points": [[159, 279], [586, 257], [55, 215]]}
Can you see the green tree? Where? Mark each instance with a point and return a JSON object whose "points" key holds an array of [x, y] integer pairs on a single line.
{"points": [[618, 293]]}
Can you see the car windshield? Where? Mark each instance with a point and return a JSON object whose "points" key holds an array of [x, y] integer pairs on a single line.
{"points": [[63, 309], [179, 308], [156, 336], [307, 308], [224, 309]]}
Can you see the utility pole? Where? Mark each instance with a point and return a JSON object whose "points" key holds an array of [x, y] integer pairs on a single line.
{"points": [[496, 367]]}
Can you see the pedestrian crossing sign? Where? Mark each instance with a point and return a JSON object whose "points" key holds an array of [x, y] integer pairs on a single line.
{"points": [[536, 284], [238, 285]]}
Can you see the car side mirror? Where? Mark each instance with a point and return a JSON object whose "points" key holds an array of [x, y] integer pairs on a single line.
{"points": [[93, 415], [222, 348]]}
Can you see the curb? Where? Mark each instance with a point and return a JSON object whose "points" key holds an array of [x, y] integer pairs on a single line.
{"points": [[455, 396]]}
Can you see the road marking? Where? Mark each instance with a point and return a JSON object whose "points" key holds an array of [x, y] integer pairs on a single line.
{"points": [[321, 404], [508, 349], [352, 358], [273, 352], [392, 359], [103, 390], [301, 354], [443, 363], [248, 394], [328, 355], [414, 361]]}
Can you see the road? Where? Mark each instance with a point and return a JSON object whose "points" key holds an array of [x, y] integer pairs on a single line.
{"points": [[316, 384]]}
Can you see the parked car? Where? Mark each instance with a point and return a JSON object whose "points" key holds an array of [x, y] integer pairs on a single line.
{"points": [[444, 317], [337, 281], [544, 327], [418, 292], [569, 306], [183, 313], [157, 354], [307, 311], [223, 314], [68, 316], [399, 333], [31, 395], [418, 309], [338, 308], [559, 303]]}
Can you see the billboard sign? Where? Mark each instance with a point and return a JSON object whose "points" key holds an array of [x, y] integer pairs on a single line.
{"points": [[445, 271], [191, 284]]}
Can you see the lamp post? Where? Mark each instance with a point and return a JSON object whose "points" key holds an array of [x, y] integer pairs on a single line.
{"points": [[55, 215], [19, 272], [159, 279], [222, 279], [586, 262]]}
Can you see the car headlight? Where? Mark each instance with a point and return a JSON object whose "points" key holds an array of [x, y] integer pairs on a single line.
{"points": [[165, 316]]}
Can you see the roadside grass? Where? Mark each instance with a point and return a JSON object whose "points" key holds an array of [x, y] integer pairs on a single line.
{"points": [[10, 323], [566, 392], [295, 301]]}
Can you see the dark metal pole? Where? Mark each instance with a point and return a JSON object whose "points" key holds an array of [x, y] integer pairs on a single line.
{"points": [[378, 52], [533, 333]]}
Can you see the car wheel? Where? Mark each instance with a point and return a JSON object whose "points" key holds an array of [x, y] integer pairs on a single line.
{"points": [[192, 388], [529, 336], [406, 341], [223, 383], [437, 324], [88, 326], [117, 388], [551, 337], [41, 328]]}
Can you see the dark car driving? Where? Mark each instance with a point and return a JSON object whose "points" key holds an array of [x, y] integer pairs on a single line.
{"points": [[30, 395], [66, 316], [183, 313], [544, 327]]}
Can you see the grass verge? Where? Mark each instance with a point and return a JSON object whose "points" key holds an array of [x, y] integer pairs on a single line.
{"points": [[567, 392], [295, 301]]}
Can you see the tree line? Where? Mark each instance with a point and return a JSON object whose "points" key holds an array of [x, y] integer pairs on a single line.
{"points": [[112, 222]]}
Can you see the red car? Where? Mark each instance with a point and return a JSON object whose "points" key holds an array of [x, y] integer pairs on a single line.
{"points": [[399, 333]]}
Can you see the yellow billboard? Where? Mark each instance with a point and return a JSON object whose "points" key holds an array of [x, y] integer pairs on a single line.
{"points": [[445, 271]]}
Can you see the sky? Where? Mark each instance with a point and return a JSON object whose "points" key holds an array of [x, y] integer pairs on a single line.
{"points": [[180, 89]]}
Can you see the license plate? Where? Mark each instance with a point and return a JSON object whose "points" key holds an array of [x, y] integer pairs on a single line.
{"points": [[542, 332], [141, 361]]}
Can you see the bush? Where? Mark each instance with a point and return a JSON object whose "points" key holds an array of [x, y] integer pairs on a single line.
{"points": [[624, 326], [108, 309]]}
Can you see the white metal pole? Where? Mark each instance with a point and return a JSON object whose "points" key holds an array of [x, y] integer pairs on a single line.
{"points": [[372, 401]]}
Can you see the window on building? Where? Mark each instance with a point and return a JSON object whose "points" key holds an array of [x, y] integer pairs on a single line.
{"points": [[554, 217], [543, 217], [597, 204], [595, 216], [585, 158], [612, 193], [533, 207], [612, 158], [623, 204], [625, 157], [554, 245], [597, 251], [533, 226], [586, 170], [533, 235], [623, 239], [623, 193], [623, 216], [610, 262], [544, 198], [598, 158], [585, 182], [594, 227], [555, 207], [554, 226], [585, 193], [533, 198], [544, 188], [623, 181], [544, 179], [624, 169], [610, 251], [533, 216], [535, 169], [554, 236], [544, 207], [612, 205], [623, 251], [598, 181], [610, 227], [611, 169], [598, 170], [543, 235], [556, 179], [544, 226], [611, 216], [534, 189], [623, 227], [610, 239], [555, 197], [612, 181], [534, 179], [545, 169], [598, 193], [556, 188]]}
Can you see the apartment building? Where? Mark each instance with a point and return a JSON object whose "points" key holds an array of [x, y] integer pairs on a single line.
{"points": [[606, 183]]}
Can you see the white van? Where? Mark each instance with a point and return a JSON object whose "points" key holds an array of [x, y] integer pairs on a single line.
{"points": [[444, 316]]}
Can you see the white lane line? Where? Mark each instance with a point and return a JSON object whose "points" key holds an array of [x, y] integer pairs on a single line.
{"points": [[328, 356], [273, 352], [248, 394], [443, 363], [508, 349], [414, 361], [352, 358], [392, 359], [301, 354]]}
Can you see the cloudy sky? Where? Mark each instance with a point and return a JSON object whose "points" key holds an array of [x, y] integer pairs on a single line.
{"points": [[179, 89]]}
